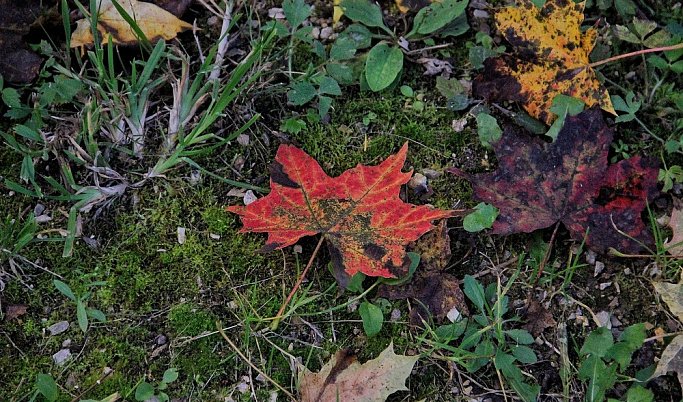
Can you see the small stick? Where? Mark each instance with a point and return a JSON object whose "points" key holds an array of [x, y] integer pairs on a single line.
{"points": [[625, 55], [219, 325], [542, 266], [98, 382], [277, 318]]}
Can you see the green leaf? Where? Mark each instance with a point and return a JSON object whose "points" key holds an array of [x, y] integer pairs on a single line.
{"points": [[475, 292], [620, 352], [639, 394], [449, 87], [305, 35], [634, 335], [329, 86], [324, 105], [597, 343], [170, 375], [600, 377], [438, 15], [296, 12], [301, 93], [64, 289], [292, 125], [361, 36], [520, 336], [658, 39], [365, 12], [658, 62], [144, 391], [11, 97], [488, 129], [96, 314], [356, 283], [407, 91], [341, 72], [459, 102], [382, 66], [478, 54], [343, 49], [643, 27], [372, 318], [562, 106], [482, 218], [625, 34], [47, 387], [524, 354], [81, 315]]}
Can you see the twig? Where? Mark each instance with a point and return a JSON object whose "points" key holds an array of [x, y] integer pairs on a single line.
{"points": [[277, 318], [625, 55], [653, 338], [98, 382], [428, 48], [240, 354], [542, 266]]}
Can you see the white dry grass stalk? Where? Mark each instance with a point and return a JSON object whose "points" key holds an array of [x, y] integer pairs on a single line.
{"points": [[223, 44]]}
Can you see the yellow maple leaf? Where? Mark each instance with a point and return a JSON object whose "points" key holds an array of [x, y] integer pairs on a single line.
{"points": [[155, 22], [550, 58]]}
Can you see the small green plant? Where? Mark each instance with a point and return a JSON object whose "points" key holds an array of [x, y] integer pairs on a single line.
{"points": [[14, 236], [486, 337], [146, 390], [669, 176], [482, 218], [83, 313], [603, 359]]}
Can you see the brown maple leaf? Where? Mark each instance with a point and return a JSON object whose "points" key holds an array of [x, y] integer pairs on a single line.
{"points": [[437, 293], [366, 224], [550, 58], [538, 184], [344, 379]]}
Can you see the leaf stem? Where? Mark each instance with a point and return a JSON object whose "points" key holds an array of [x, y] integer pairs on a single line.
{"points": [[625, 55], [277, 318]]}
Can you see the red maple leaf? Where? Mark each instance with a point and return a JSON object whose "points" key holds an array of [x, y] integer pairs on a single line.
{"points": [[538, 184], [360, 214]]}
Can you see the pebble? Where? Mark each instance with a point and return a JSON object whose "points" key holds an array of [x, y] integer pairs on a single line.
{"points": [[590, 257], [599, 267], [326, 33], [605, 285], [61, 356], [480, 14], [604, 319], [316, 33], [395, 315], [58, 327], [161, 339], [249, 197], [66, 343]]}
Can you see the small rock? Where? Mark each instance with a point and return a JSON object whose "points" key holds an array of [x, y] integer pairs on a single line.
{"points": [[214, 236], [276, 13], [316, 33], [615, 321], [599, 267], [417, 181], [66, 343], [605, 285], [353, 306], [395, 315], [181, 235], [459, 124], [260, 378], [249, 197], [325, 33], [43, 218], [58, 327], [480, 14], [243, 139], [454, 314], [237, 192], [61, 356], [604, 319], [431, 173], [38, 209], [161, 339], [590, 257]]}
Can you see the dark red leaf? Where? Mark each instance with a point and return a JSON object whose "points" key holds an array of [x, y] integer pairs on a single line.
{"points": [[537, 184]]}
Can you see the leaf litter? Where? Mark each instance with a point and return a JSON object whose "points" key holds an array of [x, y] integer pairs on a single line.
{"points": [[366, 224], [343, 378], [537, 184]]}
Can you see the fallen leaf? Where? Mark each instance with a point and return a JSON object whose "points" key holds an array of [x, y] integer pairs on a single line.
{"points": [[671, 360], [675, 245], [18, 64], [550, 58], [436, 292], [155, 22], [360, 214], [15, 310], [537, 184], [344, 379], [672, 295], [538, 319]]}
